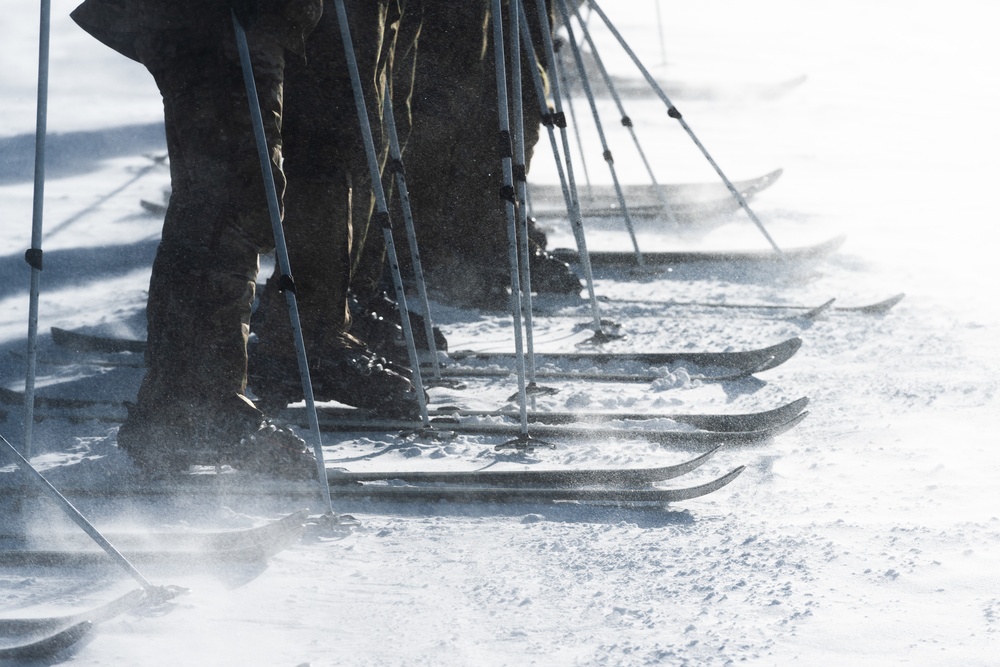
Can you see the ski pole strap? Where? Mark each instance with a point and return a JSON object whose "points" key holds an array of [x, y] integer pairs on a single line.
{"points": [[626, 121], [285, 284], [554, 119], [674, 113], [33, 256], [396, 166]]}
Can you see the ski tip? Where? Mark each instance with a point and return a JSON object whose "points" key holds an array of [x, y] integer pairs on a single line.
{"points": [[817, 311], [835, 242], [881, 307], [791, 423], [699, 460], [779, 353], [799, 404], [708, 487]]}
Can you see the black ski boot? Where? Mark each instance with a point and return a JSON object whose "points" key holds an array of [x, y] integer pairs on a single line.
{"points": [[550, 275], [346, 371], [167, 441], [378, 323]]}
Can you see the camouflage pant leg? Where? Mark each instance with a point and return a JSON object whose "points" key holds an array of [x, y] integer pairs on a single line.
{"points": [[396, 49], [328, 198], [449, 77], [203, 278], [453, 147]]}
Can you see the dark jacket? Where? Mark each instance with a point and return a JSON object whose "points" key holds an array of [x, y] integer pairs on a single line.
{"points": [[117, 23]]}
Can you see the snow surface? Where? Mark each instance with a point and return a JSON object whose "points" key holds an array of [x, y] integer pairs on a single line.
{"points": [[867, 535]]}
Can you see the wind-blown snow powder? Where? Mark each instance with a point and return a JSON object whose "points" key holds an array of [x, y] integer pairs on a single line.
{"points": [[869, 534]]}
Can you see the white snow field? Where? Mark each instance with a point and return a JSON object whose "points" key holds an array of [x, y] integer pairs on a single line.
{"points": [[867, 535]]}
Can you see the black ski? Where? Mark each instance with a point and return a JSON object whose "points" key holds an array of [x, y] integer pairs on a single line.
{"points": [[610, 477], [747, 361], [81, 342], [460, 487], [23, 629], [691, 200], [41, 647], [499, 494], [446, 418], [467, 372], [709, 422], [240, 546], [623, 259], [152, 207], [877, 308], [558, 433]]}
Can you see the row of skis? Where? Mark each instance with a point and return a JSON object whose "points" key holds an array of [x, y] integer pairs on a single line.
{"points": [[682, 208], [40, 636]]}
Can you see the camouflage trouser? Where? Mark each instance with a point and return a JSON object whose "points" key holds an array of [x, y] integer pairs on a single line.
{"points": [[202, 285], [328, 176], [452, 154]]}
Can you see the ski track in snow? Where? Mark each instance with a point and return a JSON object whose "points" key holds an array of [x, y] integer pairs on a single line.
{"points": [[869, 534]]}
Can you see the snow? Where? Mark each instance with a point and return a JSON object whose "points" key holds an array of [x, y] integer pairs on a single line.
{"points": [[869, 534]]}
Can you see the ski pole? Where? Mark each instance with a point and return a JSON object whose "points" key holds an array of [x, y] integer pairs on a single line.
{"points": [[608, 158], [558, 66], [281, 252], [73, 513], [567, 180], [659, 32], [520, 178], [381, 215], [626, 121], [33, 256], [508, 195], [675, 114]]}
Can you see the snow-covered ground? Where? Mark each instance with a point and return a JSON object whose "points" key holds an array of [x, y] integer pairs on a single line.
{"points": [[869, 534]]}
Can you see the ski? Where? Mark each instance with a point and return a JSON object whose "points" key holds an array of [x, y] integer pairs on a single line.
{"points": [[877, 308], [23, 629], [709, 422], [690, 202], [748, 360], [610, 477], [81, 342], [745, 422], [335, 418], [241, 546], [550, 433], [635, 87], [466, 372], [152, 207], [44, 646], [500, 494], [622, 258], [688, 198], [744, 362], [688, 214]]}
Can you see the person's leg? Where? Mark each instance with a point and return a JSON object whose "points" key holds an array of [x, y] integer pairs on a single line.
{"points": [[328, 190], [453, 152], [191, 403]]}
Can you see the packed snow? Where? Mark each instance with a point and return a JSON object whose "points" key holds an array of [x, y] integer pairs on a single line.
{"points": [[869, 534]]}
